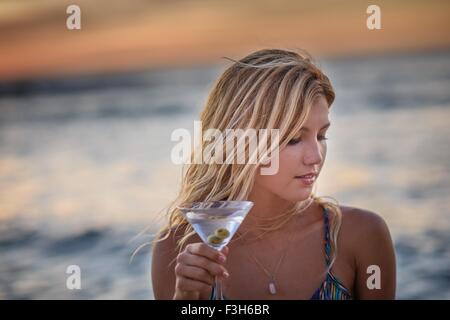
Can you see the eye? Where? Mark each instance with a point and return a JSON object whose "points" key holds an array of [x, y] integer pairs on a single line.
{"points": [[297, 140], [294, 141]]}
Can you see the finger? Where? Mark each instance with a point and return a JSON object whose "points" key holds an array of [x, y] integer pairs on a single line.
{"points": [[194, 273], [186, 284], [212, 267], [225, 250], [204, 250]]}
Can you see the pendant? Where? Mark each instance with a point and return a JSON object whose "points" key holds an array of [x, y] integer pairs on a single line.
{"points": [[272, 288]]}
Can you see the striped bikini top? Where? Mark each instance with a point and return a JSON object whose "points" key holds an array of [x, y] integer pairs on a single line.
{"points": [[331, 288]]}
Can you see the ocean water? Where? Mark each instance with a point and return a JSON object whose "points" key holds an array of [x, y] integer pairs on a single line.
{"points": [[85, 167]]}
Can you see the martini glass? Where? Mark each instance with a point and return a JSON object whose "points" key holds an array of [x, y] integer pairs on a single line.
{"points": [[216, 222]]}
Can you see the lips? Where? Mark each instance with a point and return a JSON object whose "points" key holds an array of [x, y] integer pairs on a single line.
{"points": [[310, 175], [307, 179]]}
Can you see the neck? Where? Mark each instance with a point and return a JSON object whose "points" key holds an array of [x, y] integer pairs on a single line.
{"points": [[266, 206]]}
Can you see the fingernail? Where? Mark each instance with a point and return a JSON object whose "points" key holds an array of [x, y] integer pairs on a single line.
{"points": [[222, 258], [225, 274]]}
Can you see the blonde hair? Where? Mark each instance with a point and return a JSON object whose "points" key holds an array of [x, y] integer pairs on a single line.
{"points": [[268, 89]]}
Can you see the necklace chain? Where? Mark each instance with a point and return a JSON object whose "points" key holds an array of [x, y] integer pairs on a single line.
{"points": [[271, 275], [273, 223]]}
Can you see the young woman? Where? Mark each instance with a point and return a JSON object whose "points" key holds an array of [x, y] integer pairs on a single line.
{"points": [[292, 244]]}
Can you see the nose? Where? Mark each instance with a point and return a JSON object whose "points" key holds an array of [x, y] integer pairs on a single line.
{"points": [[314, 153]]}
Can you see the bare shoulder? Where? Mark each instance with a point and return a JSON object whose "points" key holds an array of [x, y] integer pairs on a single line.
{"points": [[164, 254], [166, 242], [360, 222], [361, 232], [366, 237]]}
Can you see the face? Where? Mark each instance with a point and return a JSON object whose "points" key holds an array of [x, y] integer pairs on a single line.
{"points": [[304, 154]]}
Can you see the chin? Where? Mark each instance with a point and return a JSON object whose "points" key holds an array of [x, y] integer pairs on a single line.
{"points": [[302, 196]]}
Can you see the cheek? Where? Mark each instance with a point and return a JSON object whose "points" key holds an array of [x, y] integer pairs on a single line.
{"points": [[288, 166], [271, 182], [291, 160]]}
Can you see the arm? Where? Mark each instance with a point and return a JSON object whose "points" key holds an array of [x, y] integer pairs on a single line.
{"points": [[374, 257], [163, 262]]}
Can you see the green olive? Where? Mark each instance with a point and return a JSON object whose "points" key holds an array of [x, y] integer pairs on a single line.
{"points": [[222, 233], [212, 239]]}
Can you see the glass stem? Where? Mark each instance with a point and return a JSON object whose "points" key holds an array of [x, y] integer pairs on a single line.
{"points": [[218, 289]]}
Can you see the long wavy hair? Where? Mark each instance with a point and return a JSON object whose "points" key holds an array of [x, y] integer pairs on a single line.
{"points": [[268, 89]]}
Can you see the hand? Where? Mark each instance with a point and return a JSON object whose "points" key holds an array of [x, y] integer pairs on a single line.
{"points": [[196, 269]]}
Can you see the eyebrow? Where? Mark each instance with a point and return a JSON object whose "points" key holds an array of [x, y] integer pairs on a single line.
{"points": [[307, 129]]}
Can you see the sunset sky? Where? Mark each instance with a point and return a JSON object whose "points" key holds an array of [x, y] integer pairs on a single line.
{"points": [[136, 34]]}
